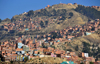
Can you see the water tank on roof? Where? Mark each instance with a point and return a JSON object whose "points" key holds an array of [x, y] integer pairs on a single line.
{"points": [[44, 39], [23, 58], [25, 48], [87, 33], [71, 62], [20, 45], [26, 29], [86, 54], [35, 54], [58, 41], [22, 52]]}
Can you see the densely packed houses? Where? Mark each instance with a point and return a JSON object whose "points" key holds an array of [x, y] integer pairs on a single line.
{"points": [[18, 48]]}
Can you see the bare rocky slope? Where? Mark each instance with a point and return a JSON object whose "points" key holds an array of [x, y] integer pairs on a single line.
{"points": [[88, 44], [61, 15]]}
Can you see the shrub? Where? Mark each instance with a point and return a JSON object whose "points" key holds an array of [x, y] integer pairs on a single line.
{"points": [[82, 63], [30, 58], [71, 14], [69, 50], [11, 62], [30, 13], [91, 63], [76, 48], [39, 58], [53, 47], [46, 22], [25, 59], [42, 24]]}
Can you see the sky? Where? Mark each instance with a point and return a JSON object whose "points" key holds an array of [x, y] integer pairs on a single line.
{"points": [[9, 8]]}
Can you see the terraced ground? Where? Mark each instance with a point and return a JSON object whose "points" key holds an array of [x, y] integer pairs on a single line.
{"points": [[47, 60]]}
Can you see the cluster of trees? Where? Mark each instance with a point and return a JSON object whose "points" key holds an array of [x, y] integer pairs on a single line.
{"points": [[92, 52], [44, 12], [13, 19], [30, 13], [5, 20], [95, 52], [59, 12], [53, 46], [54, 12], [86, 48], [43, 24], [77, 48], [90, 63], [63, 18], [55, 35], [70, 14], [88, 11]]}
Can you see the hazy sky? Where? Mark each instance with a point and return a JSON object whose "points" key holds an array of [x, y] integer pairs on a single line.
{"points": [[9, 8]]}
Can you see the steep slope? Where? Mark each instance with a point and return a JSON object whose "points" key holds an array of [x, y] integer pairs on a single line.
{"points": [[59, 16], [88, 11], [48, 60], [55, 12], [88, 44], [76, 19], [7, 20]]}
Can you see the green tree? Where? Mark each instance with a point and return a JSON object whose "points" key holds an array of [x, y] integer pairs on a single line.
{"points": [[63, 12], [30, 58], [11, 62], [93, 28], [54, 35], [98, 50], [69, 50], [0, 59], [44, 12], [39, 58], [44, 46], [13, 19], [82, 63], [63, 18], [26, 59], [6, 20], [86, 48], [46, 22], [42, 24], [76, 48], [53, 46], [30, 13], [57, 12], [0, 20], [54, 12], [88, 11], [71, 14], [91, 63]]}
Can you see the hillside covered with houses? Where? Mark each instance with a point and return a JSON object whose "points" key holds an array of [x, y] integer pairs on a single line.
{"points": [[58, 32]]}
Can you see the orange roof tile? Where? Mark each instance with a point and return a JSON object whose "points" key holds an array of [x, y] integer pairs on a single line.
{"points": [[27, 54], [35, 52], [13, 52], [8, 54], [19, 49]]}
